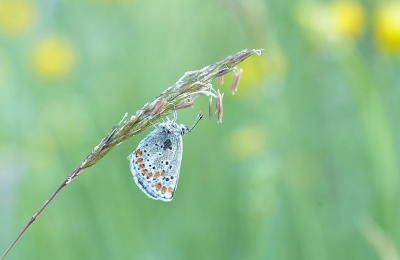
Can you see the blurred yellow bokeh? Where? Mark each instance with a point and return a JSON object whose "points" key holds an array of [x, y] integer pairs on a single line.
{"points": [[253, 71], [348, 19], [387, 27], [16, 16], [313, 17], [54, 57], [341, 21]]}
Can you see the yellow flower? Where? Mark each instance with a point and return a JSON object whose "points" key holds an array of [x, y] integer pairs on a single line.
{"points": [[348, 19], [248, 142], [54, 57], [16, 16], [387, 27]]}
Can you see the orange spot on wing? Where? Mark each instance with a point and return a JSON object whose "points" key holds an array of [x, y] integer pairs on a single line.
{"points": [[139, 160], [158, 186], [149, 175], [144, 171], [157, 175], [141, 166], [138, 152], [170, 190], [163, 189], [162, 173]]}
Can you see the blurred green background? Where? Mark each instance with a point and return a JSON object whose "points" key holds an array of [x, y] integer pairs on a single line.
{"points": [[304, 166]]}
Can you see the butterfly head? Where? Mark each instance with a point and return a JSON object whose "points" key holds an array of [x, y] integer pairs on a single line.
{"points": [[181, 129], [172, 127], [184, 129]]}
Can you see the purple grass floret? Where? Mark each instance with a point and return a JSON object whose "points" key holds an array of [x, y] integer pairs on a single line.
{"points": [[159, 108], [219, 106], [235, 81]]}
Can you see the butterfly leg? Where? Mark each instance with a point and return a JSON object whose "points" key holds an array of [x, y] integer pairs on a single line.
{"points": [[148, 119], [175, 114]]}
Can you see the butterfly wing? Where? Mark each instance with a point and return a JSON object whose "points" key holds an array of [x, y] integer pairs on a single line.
{"points": [[155, 164]]}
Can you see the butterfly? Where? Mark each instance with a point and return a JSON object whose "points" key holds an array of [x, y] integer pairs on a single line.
{"points": [[156, 162]]}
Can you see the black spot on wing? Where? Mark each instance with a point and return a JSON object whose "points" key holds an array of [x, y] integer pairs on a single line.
{"points": [[167, 144]]}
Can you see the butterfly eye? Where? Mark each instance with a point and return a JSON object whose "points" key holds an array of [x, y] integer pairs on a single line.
{"points": [[183, 131]]}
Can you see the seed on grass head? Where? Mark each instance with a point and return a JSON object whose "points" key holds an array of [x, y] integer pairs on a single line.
{"points": [[184, 105], [203, 93], [221, 80], [159, 107], [235, 81], [246, 54], [224, 72], [191, 73]]}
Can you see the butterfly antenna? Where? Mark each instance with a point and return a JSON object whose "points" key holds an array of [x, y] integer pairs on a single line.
{"points": [[199, 116]]}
